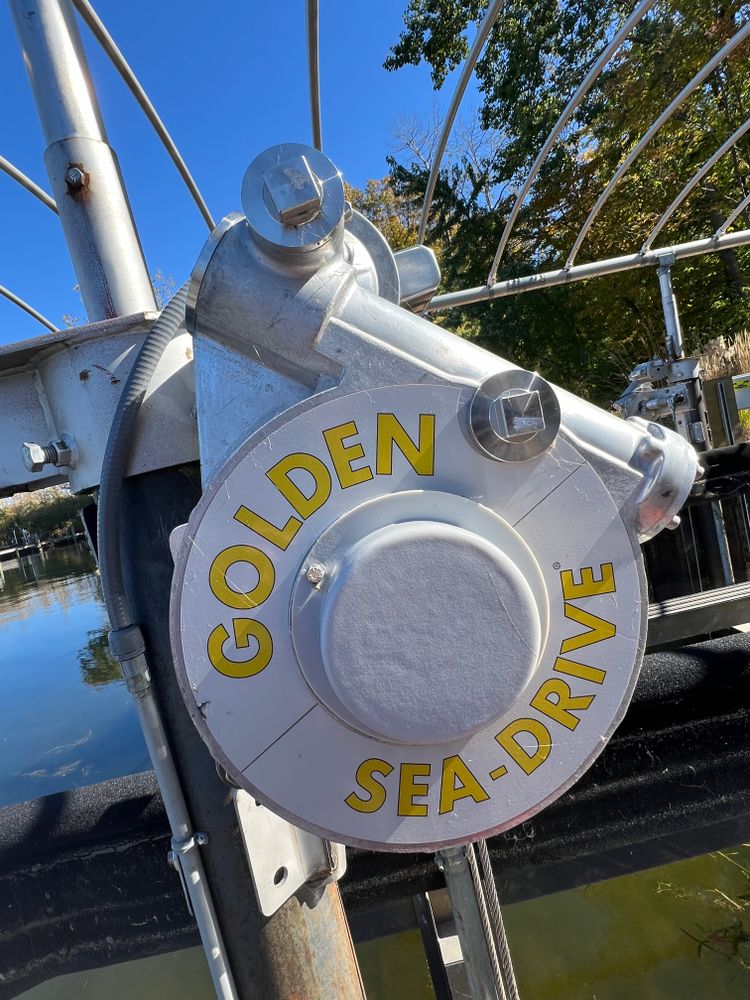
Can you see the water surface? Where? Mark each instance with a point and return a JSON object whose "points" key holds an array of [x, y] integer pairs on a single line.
{"points": [[69, 719]]}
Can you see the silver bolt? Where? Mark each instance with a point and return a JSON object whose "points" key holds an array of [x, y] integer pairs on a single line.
{"points": [[518, 413], [675, 523], [75, 178], [514, 415], [294, 191], [61, 453], [315, 574], [201, 839], [36, 456]]}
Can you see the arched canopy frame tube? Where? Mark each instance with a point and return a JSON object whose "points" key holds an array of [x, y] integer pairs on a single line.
{"points": [[466, 73], [11, 297], [693, 183], [119, 62], [313, 69], [26, 182], [705, 71], [567, 113], [732, 217]]}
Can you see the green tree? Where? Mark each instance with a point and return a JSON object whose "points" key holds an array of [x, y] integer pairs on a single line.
{"points": [[586, 336], [48, 513]]}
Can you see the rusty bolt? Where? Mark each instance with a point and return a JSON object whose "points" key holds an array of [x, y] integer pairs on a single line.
{"points": [[75, 178]]}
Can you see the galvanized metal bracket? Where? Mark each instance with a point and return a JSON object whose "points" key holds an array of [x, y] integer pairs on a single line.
{"points": [[282, 858]]}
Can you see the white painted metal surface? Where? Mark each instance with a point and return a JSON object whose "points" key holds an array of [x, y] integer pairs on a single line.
{"points": [[433, 738], [283, 858], [71, 381]]}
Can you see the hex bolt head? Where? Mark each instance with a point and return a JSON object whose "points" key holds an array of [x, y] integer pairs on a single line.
{"points": [[61, 453], [293, 198], [36, 456], [294, 191], [201, 839], [315, 574], [75, 178]]}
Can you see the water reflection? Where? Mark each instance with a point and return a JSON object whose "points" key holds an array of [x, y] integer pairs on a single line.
{"points": [[98, 666], [69, 719]]}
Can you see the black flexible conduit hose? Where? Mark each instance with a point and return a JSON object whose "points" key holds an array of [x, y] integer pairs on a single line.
{"points": [[127, 644], [117, 453]]}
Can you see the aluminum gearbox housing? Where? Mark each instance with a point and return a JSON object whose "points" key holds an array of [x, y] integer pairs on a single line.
{"points": [[410, 608]]}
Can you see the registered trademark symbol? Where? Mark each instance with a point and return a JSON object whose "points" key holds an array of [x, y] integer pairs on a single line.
{"points": [[555, 565]]}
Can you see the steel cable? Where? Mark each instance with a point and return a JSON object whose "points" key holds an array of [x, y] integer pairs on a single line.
{"points": [[484, 916], [501, 938]]}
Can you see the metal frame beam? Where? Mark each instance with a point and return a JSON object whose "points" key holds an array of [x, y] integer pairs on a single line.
{"points": [[581, 272], [26, 182], [732, 217], [313, 69], [7, 294], [83, 171]]}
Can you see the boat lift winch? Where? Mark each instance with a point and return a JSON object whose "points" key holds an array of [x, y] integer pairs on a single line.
{"points": [[409, 610]]}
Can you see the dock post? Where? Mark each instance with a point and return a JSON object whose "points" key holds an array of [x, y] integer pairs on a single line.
{"points": [[305, 950]]}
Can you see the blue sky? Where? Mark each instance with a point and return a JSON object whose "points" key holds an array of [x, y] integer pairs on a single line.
{"points": [[228, 80]]}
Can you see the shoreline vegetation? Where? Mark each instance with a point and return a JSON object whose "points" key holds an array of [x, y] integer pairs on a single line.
{"points": [[40, 516]]}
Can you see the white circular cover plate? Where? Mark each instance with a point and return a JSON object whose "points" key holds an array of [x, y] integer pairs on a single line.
{"points": [[273, 571]]}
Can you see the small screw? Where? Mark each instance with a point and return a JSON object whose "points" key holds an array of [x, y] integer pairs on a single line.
{"points": [[201, 839], [75, 178], [315, 574]]}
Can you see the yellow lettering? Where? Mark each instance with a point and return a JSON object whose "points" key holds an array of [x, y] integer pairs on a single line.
{"points": [[458, 782], [222, 591], [539, 733], [588, 585], [244, 630], [555, 700], [408, 789], [280, 537], [421, 456], [303, 504], [594, 674], [343, 455], [599, 629], [367, 781]]}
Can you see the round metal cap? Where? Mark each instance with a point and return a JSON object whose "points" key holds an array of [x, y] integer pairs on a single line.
{"points": [[293, 197], [411, 589], [514, 415]]}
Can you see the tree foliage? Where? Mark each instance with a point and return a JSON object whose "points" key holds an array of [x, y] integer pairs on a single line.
{"points": [[45, 514], [588, 335]]}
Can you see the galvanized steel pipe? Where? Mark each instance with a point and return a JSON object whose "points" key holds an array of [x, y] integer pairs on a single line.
{"points": [[83, 170]]}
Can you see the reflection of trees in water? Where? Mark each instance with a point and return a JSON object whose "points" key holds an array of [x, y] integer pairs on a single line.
{"points": [[62, 578], [98, 666]]}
